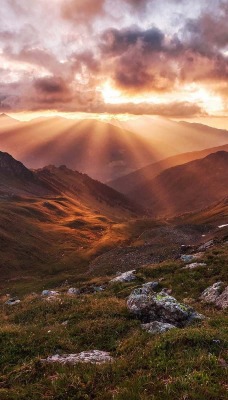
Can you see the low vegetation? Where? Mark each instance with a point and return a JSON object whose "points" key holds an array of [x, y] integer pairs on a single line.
{"points": [[182, 364]]}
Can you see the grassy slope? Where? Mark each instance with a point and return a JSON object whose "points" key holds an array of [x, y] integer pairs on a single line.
{"points": [[185, 364]]}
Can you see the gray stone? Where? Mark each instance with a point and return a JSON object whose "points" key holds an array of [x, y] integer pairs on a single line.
{"points": [[151, 285], [49, 293], [216, 294], [206, 245], [157, 327], [211, 294], [73, 291], [149, 306], [194, 265], [125, 277], [222, 300], [12, 302], [93, 357], [188, 258]]}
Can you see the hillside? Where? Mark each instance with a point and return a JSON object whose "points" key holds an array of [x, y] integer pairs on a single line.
{"points": [[50, 219], [189, 187], [103, 150], [130, 182]]}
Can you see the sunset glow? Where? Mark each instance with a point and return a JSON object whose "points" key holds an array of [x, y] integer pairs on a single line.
{"points": [[74, 58]]}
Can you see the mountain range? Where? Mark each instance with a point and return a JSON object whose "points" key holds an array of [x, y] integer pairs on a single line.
{"points": [[104, 151]]}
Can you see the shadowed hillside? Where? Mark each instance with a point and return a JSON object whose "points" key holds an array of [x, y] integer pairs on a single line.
{"points": [[130, 182], [187, 187]]}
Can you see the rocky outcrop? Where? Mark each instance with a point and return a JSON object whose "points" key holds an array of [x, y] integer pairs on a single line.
{"points": [[93, 357], [157, 327], [216, 294], [149, 306], [125, 277]]}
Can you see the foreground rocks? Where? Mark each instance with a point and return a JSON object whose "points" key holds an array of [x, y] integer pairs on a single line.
{"points": [[216, 294], [189, 258], [12, 302], [125, 277], [194, 265], [93, 357], [149, 307]]}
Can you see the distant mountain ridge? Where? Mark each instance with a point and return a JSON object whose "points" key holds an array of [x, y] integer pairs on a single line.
{"points": [[186, 188], [104, 151], [129, 183]]}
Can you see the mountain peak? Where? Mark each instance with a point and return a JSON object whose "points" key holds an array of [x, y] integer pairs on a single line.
{"points": [[9, 167]]}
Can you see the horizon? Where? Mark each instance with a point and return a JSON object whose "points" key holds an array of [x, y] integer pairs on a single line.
{"points": [[122, 61]]}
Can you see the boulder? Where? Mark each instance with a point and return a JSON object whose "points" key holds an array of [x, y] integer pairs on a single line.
{"points": [[49, 293], [216, 294], [189, 258], [93, 357], [13, 301], [222, 300], [194, 265], [157, 327], [149, 306], [73, 291], [206, 245], [125, 277]]}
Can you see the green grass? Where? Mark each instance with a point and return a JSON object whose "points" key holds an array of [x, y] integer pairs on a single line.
{"points": [[182, 364]]}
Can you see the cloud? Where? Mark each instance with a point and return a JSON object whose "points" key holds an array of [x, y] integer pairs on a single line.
{"points": [[81, 10]]}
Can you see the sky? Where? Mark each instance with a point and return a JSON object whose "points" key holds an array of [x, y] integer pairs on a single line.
{"points": [[115, 57]]}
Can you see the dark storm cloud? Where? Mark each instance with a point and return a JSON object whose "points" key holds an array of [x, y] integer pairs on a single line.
{"points": [[116, 41]]}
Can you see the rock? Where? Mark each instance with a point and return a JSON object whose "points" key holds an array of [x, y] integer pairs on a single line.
{"points": [[149, 306], [216, 294], [206, 245], [211, 294], [188, 258], [150, 285], [93, 357], [49, 293], [12, 302], [125, 277], [194, 265], [98, 289], [73, 291], [157, 327], [222, 300]]}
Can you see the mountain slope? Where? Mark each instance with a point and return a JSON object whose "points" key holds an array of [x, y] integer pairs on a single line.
{"points": [[187, 187], [51, 219], [130, 182]]}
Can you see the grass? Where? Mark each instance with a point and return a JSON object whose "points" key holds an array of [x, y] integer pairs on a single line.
{"points": [[182, 364]]}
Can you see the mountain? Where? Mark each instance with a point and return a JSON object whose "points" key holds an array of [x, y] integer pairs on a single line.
{"points": [[128, 183], [103, 150], [53, 218], [187, 187]]}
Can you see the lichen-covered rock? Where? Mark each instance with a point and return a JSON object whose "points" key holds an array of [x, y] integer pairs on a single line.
{"points": [[211, 294], [149, 306], [125, 277], [216, 294], [157, 327], [93, 357]]}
